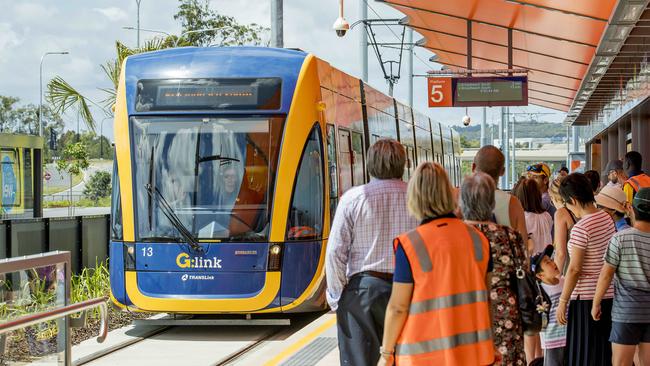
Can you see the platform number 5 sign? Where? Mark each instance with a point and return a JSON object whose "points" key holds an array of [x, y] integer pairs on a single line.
{"points": [[439, 92]]}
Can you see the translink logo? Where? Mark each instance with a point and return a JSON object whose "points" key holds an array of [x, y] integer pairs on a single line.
{"points": [[184, 261]]}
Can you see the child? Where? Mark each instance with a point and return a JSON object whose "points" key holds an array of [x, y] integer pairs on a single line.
{"points": [[554, 335]]}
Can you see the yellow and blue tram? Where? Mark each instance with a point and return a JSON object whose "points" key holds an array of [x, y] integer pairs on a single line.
{"points": [[229, 165]]}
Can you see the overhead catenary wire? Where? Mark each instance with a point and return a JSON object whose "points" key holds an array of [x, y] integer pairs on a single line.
{"points": [[393, 32]]}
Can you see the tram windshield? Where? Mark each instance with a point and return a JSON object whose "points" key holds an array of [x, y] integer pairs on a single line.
{"points": [[216, 175]]}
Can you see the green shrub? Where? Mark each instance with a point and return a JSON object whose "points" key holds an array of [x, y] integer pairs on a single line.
{"points": [[101, 202], [56, 204], [98, 186]]}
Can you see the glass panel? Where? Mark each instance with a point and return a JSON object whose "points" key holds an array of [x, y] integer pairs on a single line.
{"points": [[25, 293], [333, 174], [358, 161], [306, 214], [345, 163], [214, 173], [116, 204]]}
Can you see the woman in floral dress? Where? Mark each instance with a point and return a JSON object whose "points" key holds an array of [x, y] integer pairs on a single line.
{"points": [[477, 204]]}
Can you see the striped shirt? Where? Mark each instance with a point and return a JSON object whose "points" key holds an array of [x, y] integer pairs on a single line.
{"points": [[367, 220], [554, 335], [591, 234], [629, 253]]}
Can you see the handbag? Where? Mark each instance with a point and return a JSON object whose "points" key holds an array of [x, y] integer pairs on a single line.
{"points": [[530, 298]]}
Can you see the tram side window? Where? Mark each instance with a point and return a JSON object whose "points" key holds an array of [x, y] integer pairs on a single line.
{"points": [[358, 160], [116, 205], [331, 158], [410, 163], [306, 212]]}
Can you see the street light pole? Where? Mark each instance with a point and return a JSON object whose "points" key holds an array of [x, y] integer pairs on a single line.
{"points": [[101, 138], [38, 153], [138, 22], [147, 30], [40, 94]]}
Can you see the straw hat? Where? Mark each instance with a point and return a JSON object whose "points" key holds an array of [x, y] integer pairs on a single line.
{"points": [[612, 197]]}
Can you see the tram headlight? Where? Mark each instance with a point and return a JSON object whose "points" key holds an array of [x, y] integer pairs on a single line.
{"points": [[129, 257], [275, 256]]}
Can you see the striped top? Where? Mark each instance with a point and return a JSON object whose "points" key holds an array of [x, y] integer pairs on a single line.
{"points": [[629, 253], [591, 234], [554, 335]]}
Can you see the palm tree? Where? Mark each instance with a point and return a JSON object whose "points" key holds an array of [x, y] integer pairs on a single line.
{"points": [[63, 96]]}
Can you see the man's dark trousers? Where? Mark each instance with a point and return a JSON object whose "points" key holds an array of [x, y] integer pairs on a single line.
{"points": [[360, 319]]}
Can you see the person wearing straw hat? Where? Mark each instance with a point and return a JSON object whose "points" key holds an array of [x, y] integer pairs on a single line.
{"points": [[613, 201], [628, 257]]}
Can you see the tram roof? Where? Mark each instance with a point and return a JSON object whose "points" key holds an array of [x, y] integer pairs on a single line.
{"points": [[563, 44]]}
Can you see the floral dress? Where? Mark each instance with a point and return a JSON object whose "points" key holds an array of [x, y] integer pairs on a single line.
{"points": [[507, 331]]}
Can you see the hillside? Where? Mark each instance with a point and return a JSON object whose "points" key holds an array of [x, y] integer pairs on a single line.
{"points": [[522, 130]]}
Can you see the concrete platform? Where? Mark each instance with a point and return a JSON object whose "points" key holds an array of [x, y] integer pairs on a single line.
{"points": [[314, 345]]}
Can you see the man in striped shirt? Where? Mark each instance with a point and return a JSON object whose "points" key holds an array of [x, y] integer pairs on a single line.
{"points": [[360, 261], [628, 256]]}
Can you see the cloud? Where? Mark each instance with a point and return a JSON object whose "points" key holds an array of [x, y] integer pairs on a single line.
{"points": [[8, 39], [29, 12], [112, 13]]}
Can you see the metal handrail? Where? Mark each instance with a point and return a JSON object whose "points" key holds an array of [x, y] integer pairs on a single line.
{"points": [[60, 312]]}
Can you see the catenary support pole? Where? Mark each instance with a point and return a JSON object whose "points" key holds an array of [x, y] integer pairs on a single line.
{"points": [[513, 163], [409, 33], [277, 31], [502, 144], [484, 140], [363, 41]]}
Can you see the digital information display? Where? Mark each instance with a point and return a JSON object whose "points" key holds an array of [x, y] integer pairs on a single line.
{"points": [[478, 91], [209, 94]]}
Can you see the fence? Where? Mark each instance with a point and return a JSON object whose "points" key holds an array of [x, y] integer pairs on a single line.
{"points": [[85, 237], [76, 197], [35, 293]]}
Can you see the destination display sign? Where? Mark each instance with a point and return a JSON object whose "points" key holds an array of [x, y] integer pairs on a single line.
{"points": [[208, 94], [478, 91]]}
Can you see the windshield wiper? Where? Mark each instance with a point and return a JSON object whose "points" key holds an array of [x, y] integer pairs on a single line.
{"points": [[151, 184], [216, 157], [153, 239], [167, 210]]}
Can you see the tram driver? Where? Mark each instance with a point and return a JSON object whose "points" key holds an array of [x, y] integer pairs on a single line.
{"points": [[239, 200]]}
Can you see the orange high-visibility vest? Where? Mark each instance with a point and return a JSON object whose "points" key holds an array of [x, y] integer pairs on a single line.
{"points": [[449, 320], [639, 181]]}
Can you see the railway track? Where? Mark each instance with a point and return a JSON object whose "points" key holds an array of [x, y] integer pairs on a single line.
{"points": [[195, 345]]}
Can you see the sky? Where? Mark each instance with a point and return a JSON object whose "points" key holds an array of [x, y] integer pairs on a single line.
{"points": [[88, 30]]}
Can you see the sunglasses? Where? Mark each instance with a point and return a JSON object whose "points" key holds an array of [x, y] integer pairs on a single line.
{"points": [[534, 168]]}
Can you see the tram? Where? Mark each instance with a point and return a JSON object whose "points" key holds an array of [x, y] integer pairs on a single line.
{"points": [[229, 165]]}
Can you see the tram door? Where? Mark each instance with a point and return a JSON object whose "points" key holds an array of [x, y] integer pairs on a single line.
{"points": [[345, 161], [358, 170]]}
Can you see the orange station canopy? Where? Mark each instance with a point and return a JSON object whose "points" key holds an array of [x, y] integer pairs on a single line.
{"points": [[555, 40]]}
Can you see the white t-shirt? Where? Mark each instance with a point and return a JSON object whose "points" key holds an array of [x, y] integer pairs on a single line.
{"points": [[539, 226]]}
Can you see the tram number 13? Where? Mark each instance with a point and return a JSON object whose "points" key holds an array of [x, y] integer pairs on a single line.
{"points": [[147, 252]]}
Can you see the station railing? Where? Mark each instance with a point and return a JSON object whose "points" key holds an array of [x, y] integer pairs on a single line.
{"points": [[35, 299]]}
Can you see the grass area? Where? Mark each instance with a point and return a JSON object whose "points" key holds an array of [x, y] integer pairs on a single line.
{"points": [[84, 202], [76, 179]]}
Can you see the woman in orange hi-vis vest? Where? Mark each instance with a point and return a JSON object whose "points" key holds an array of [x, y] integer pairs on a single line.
{"points": [[438, 312]]}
